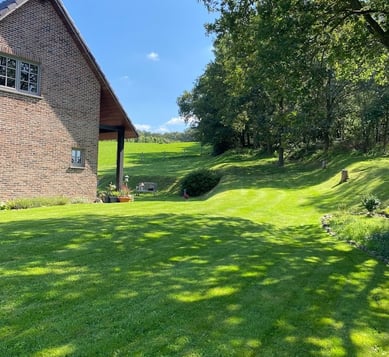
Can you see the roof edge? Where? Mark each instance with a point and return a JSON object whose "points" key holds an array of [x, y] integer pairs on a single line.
{"points": [[69, 23]]}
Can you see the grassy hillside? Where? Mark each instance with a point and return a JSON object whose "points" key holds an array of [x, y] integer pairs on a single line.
{"points": [[161, 163], [246, 270], [166, 164]]}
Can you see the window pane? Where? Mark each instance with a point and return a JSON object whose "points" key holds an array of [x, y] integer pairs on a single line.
{"points": [[77, 158], [11, 63], [11, 73], [3, 61], [33, 78], [33, 88], [33, 69], [10, 83], [24, 85], [24, 76], [2, 71], [75, 154], [2, 81], [25, 67]]}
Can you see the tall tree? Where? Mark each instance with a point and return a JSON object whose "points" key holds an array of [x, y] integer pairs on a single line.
{"points": [[282, 69], [204, 107]]}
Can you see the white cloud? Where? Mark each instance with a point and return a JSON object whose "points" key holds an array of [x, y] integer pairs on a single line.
{"points": [[181, 121], [174, 124], [144, 127], [153, 56], [176, 121]]}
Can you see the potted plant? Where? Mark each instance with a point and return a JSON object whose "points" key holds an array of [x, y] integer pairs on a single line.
{"points": [[125, 194], [102, 196], [114, 196], [113, 193]]}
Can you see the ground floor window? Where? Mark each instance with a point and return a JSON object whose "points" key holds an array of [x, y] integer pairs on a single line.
{"points": [[78, 158]]}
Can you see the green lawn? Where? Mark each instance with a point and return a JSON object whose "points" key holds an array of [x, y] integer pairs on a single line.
{"points": [[245, 271]]}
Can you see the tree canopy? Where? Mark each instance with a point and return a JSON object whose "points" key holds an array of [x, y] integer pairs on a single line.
{"points": [[291, 73]]}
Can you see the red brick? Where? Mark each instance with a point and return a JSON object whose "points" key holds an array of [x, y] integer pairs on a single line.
{"points": [[38, 134]]}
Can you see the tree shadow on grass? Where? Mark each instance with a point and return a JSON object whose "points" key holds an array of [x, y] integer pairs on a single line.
{"points": [[185, 285]]}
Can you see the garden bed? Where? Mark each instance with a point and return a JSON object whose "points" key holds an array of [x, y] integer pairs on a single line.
{"points": [[369, 233]]}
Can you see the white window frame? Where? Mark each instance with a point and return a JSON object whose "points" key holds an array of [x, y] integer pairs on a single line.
{"points": [[77, 158], [27, 75]]}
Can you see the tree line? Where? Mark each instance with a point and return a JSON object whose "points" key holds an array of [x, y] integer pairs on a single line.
{"points": [[164, 138], [293, 73]]}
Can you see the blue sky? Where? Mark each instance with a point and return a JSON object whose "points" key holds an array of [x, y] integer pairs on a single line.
{"points": [[149, 50]]}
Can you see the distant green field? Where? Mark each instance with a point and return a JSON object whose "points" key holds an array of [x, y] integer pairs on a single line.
{"points": [[245, 270], [161, 163]]}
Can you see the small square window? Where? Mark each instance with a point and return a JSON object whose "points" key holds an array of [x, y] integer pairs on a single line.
{"points": [[78, 159]]}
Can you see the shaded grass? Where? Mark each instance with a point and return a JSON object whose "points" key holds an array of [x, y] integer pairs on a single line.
{"points": [[129, 284]]}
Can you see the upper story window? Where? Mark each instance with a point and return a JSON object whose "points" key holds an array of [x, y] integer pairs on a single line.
{"points": [[20, 75]]}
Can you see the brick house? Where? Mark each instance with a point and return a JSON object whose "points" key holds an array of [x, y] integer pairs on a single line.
{"points": [[55, 105]]}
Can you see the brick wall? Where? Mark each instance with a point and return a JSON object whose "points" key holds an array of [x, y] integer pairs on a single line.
{"points": [[37, 134]]}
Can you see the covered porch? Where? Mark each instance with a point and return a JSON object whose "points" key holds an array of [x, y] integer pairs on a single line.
{"points": [[115, 125]]}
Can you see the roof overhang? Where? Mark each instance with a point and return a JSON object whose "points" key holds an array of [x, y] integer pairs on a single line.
{"points": [[113, 115]]}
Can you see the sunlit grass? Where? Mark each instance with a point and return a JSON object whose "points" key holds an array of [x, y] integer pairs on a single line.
{"points": [[243, 271], [370, 232]]}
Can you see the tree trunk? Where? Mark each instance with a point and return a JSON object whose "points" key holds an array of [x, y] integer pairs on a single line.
{"points": [[281, 160], [242, 141], [385, 133], [327, 140], [374, 27], [366, 139], [329, 113], [248, 139]]}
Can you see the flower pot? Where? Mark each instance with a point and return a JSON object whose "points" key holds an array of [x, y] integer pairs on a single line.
{"points": [[124, 199]]}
